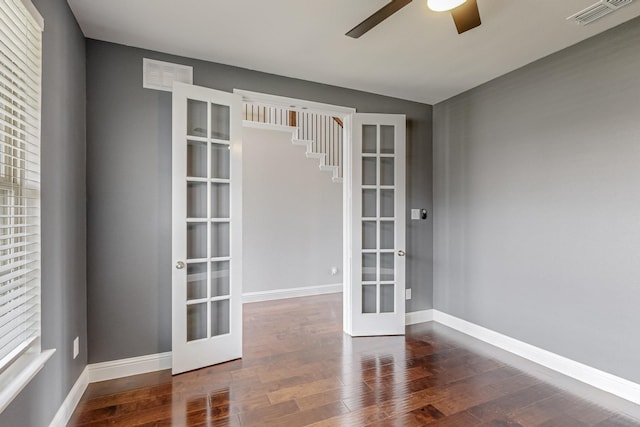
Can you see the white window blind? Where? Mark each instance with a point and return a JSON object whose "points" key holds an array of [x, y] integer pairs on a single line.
{"points": [[20, 87]]}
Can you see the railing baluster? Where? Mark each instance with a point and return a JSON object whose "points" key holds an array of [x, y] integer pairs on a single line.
{"points": [[333, 144], [330, 142], [324, 132], [324, 137], [315, 128]]}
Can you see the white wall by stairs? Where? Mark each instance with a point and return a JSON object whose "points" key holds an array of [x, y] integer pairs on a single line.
{"points": [[321, 135]]}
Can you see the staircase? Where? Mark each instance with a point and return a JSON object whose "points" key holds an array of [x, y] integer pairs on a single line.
{"points": [[320, 134]]}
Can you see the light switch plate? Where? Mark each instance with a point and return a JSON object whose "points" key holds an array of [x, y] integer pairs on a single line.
{"points": [[407, 293], [76, 347], [415, 213]]}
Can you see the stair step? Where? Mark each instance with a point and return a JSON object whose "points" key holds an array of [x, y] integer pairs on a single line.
{"points": [[310, 154], [313, 155], [296, 141]]}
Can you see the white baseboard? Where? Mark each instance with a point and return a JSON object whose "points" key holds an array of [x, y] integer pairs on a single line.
{"points": [[418, 317], [291, 293], [594, 377], [71, 401], [133, 366]]}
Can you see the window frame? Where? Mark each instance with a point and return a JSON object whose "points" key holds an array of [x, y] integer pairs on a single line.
{"points": [[27, 358]]}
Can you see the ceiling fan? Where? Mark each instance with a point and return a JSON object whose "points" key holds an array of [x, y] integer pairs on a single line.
{"points": [[465, 14]]}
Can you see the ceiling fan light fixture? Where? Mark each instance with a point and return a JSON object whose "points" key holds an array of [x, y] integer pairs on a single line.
{"points": [[444, 5]]}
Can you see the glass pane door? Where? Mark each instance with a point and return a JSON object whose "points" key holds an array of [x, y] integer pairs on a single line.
{"points": [[378, 219], [208, 221], [206, 227], [376, 206]]}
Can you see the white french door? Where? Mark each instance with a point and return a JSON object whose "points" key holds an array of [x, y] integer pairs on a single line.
{"points": [[376, 239], [206, 227]]}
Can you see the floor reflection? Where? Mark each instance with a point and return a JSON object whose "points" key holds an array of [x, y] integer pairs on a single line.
{"points": [[300, 369]]}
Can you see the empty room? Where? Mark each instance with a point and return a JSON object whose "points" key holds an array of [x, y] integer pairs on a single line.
{"points": [[295, 213]]}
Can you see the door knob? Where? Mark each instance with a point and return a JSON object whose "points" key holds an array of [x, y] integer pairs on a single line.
{"points": [[179, 265], [401, 253]]}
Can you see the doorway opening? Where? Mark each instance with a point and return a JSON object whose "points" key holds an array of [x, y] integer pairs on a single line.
{"points": [[293, 179]]}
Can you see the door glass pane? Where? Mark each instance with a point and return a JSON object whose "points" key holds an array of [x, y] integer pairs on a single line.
{"points": [[387, 271], [369, 203], [196, 281], [368, 171], [387, 141], [387, 298], [220, 202], [369, 269], [386, 171], [196, 321], [386, 203], [196, 241], [220, 161], [369, 299], [196, 118], [369, 138], [219, 317], [386, 235], [219, 278], [220, 122], [220, 239], [369, 235], [196, 200], [196, 159]]}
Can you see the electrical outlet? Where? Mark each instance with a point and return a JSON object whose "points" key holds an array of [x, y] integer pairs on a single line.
{"points": [[407, 293], [334, 271], [76, 347]]}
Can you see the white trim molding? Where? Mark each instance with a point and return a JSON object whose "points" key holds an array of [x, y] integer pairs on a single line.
{"points": [[70, 403], [291, 293], [414, 317], [107, 371], [594, 377], [132, 366], [21, 371]]}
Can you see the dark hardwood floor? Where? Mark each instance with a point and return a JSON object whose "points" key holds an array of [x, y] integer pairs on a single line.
{"points": [[300, 369]]}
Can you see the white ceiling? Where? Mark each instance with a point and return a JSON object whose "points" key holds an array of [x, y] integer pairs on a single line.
{"points": [[416, 54]]}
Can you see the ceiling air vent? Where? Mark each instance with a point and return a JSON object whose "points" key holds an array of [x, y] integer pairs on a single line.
{"points": [[161, 75], [597, 11]]}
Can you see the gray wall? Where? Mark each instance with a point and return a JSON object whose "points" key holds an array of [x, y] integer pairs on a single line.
{"points": [[292, 215], [537, 204], [129, 181], [63, 218]]}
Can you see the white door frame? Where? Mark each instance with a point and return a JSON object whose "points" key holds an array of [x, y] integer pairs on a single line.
{"points": [[346, 114]]}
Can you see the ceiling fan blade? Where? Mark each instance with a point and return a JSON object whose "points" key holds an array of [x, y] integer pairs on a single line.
{"points": [[466, 16], [377, 18]]}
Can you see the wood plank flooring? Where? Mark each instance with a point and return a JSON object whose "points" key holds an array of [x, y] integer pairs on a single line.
{"points": [[299, 369]]}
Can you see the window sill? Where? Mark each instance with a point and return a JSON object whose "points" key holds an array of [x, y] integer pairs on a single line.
{"points": [[17, 376]]}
